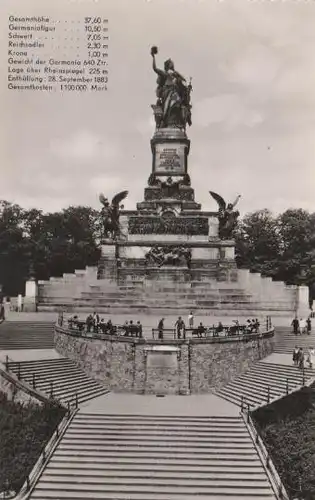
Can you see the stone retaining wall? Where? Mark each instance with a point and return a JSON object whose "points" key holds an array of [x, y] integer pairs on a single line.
{"points": [[215, 365], [183, 367]]}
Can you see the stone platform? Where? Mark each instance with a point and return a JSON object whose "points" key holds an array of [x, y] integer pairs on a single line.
{"points": [[250, 295]]}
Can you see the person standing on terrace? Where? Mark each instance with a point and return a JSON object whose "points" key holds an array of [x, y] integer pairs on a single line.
{"points": [[191, 320]]}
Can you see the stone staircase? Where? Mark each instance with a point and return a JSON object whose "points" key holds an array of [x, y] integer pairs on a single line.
{"points": [[163, 298], [264, 382], [26, 335], [58, 378], [286, 341], [155, 457], [143, 457]]}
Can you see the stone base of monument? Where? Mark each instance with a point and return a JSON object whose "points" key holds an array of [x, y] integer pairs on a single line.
{"points": [[125, 283]]}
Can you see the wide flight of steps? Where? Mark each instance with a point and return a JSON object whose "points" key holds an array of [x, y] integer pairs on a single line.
{"points": [[253, 385], [62, 377], [286, 340], [141, 457], [26, 335], [162, 299]]}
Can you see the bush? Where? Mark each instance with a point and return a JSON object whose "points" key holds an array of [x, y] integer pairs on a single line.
{"points": [[25, 431], [288, 431]]}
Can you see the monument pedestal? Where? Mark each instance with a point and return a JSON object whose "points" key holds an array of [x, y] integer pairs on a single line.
{"points": [[302, 303], [168, 238], [31, 294]]}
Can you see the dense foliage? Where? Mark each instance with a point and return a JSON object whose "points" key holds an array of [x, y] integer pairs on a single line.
{"points": [[288, 429], [25, 431], [282, 246], [46, 244]]}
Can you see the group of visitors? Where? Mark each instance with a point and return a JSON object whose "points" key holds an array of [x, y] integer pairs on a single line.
{"points": [[300, 357], [252, 326], [95, 324], [132, 329], [301, 326], [180, 329]]}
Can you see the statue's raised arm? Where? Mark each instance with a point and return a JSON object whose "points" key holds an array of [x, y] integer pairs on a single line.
{"points": [[236, 201], [160, 72]]}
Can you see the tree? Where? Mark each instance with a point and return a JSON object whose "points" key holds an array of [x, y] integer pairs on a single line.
{"points": [[282, 247], [258, 243], [55, 243], [297, 232], [13, 251], [67, 241]]}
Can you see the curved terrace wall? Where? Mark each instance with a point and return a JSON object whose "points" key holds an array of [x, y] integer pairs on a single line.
{"points": [[126, 364]]}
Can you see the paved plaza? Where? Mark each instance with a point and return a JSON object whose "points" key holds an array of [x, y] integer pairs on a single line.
{"points": [[134, 404]]}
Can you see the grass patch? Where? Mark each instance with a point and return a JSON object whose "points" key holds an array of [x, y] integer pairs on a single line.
{"points": [[288, 430], [24, 432]]}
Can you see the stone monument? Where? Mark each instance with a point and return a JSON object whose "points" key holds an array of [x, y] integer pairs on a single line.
{"points": [[169, 237], [168, 255]]}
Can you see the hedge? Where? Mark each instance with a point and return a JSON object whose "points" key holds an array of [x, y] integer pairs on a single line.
{"points": [[288, 430], [25, 431]]}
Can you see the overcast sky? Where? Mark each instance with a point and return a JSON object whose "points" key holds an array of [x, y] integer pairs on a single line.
{"points": [[253, 70]]}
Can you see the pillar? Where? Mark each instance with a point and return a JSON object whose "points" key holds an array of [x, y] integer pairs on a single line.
{"points": [[31, 294], [303, 308]]}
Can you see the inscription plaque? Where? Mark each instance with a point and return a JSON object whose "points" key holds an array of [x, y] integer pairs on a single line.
{"points": [[174, 225], [170, 159], [162, 360]]}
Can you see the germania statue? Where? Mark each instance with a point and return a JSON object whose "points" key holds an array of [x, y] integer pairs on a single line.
{"points": [[173, 108]]}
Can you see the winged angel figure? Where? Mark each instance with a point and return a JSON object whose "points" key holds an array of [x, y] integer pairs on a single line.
{"points": [[227, 216], [110, 214]]}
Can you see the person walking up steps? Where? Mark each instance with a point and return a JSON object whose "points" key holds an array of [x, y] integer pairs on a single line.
{"points": [[309, 325], [303, 326], [295, 325], [295, 356], [310, 357], [301, 358]]}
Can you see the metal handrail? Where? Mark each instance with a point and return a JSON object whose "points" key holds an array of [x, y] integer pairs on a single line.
{"points": [[34, 378], [240, 329], [236, 337], [271, 471], [208, 330], [288, 391]]}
